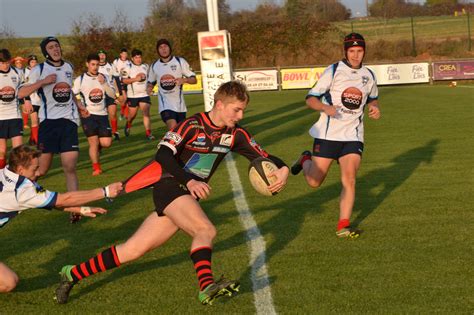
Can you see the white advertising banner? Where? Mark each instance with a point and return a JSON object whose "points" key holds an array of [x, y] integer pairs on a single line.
{"points": [[216, 66], [258, 80], [406, 73]]}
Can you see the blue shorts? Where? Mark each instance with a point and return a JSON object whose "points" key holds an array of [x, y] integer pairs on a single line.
{"points": [[109, 101], [169, 114], [133, 102], [10, 128], [96, 125], [36, 108], [336, 149], [58, 136]]}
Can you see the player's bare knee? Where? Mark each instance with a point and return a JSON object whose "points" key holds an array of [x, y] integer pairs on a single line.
{"points": [[313, 183], [9, 283], [348, 182], [207, 231]]}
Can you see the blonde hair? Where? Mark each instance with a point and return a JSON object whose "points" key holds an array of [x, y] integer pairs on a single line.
{"points": [[232, 90]]}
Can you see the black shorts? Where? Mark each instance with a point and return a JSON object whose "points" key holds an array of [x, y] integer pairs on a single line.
{"points": [[58, 136], [36, 108], [109, 101], [133, 102], [336, 149], [96, 125], [10, 128], [169, 114], [165, 192]]}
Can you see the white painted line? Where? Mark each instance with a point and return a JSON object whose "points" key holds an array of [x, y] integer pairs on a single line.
{"points": [[259, 275]]}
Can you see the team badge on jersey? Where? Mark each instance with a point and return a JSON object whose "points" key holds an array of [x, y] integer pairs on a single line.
{"points": [[226, 140], [365, 80], [7, 94], [61, 92], [351, 98]]}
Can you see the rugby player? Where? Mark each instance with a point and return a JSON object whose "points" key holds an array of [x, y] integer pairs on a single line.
{"points": [[35, 101], [91, 89], [19, 67], [59, 117], [342, 93], [170, 72], [137, 93], [111, 102], [19, 191], [189, 155], [11, 125], [120, 65]]}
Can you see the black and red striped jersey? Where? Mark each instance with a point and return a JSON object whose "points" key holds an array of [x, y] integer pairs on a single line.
{"points": [[199, 146]]}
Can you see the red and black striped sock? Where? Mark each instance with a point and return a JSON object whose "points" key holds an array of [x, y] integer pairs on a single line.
{"points": [[106, 260], [201, 258]]}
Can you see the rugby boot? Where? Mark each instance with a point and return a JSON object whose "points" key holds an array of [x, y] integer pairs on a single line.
{"points": [[209, 294], [65, 285], [229, 287], [116, 136], [74, 218], [297, 167], [348, 232], [126, 131], [151, 137], [96, 172]]}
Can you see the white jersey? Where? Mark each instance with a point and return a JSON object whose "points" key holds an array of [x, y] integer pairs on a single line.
{"points": [[170, 96], [57, 100], [92, 93], [34, 97], [137, 89], [349, 90], [120, 67], [17, 193], [10, 82], [108, 70]]}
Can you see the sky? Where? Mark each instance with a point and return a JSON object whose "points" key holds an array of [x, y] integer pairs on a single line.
{"points": [[37, 18]]}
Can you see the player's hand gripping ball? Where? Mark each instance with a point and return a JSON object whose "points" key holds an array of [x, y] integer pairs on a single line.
{"points": [[258, 175]]}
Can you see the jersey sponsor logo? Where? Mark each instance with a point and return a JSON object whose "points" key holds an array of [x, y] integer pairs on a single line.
{"points": [[226, 139], [173, 136], [62, 92], [96, 96], [167, 82], [173, 67], [220, 149], [351, 98], [201, 164], [7, 94], [201, 137]]}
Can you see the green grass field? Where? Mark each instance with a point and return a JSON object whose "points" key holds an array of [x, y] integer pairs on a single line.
{"points": [[414, 203], [426, 27]]}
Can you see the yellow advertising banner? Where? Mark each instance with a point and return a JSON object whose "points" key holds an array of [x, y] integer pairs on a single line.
{"points": [[194, 88], [301, 78]]}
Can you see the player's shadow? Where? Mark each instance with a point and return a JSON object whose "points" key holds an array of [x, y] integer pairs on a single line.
{"points": [[286, 225]]}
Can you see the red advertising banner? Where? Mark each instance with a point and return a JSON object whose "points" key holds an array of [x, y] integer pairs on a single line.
{"points": [[453, 70]]}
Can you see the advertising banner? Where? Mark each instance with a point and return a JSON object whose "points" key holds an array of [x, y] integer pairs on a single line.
{"points": [[453, 70], [258, 80], [302, 78], [401, 73], [216, 66], [193, 88]]}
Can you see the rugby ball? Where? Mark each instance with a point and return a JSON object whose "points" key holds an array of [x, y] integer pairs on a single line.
{"points": [[258, 175]]}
